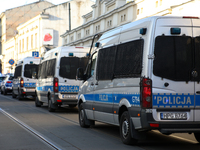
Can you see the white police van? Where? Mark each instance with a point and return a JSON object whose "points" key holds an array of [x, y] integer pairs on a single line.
{"points": [[24, 81], [145, 76], [57, 84]]}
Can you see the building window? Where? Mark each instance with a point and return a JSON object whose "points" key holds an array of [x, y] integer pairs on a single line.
{"points": [[141, 10], [138, 11], [35, 40], [160, 2], [87, 32], [72, 38], [79, 35], [22, 45], [20, 48], [109, 23], [124, 17], [31, 41], [66, 40], [27, 43], [156, 4]]}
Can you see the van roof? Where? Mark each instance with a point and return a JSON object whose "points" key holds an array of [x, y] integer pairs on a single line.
{"points": [[117, 30]]}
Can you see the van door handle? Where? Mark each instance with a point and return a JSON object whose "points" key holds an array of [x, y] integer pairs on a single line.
{"points": [[92, 84], [197, 92]]}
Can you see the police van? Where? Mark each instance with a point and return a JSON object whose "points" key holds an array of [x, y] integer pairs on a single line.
{"points": [[24, 81], [57, 84], [144, 76]]}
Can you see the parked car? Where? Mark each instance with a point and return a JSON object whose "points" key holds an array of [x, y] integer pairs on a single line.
{"points": [[6, 84], [2, 77]]}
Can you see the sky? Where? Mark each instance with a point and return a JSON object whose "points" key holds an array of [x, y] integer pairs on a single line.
{"points": [[8, 4]]}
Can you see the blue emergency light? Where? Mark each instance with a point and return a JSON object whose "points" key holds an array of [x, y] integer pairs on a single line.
{"points": [[143, 31], [175, 30], [71, 54], [31, 62]]}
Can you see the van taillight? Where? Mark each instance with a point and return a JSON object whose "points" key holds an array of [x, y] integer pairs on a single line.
{"points": [[146, 93], [55, 84], [21, 82]]}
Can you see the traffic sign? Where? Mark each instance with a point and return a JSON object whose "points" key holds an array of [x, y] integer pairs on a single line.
{"points": [[35, 54], [11, 61]]}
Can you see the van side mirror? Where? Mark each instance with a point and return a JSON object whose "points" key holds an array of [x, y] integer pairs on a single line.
{"points": [[34, 75], [80, 74]]}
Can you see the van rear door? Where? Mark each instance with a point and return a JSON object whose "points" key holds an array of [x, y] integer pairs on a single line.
{"points": [[173, 65], [196, 35]]}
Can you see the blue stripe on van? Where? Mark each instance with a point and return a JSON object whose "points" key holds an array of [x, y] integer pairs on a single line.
{"points": [[170, 100], [69, 89], [134, 99]]}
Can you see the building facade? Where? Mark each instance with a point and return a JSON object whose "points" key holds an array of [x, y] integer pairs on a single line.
{"points": [[12, 18], [109, 14], [42, 32]]}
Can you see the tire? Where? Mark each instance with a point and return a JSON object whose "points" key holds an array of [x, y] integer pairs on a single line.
{"points": [[82, 117], [37, 102], [4, 91], [13, 95], [197, 136], [50, 108], [1, 91], [20, 96], [125, 131], [72, 105]]}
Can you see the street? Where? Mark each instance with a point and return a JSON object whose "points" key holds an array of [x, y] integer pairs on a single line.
{"points": [[25, 127]]}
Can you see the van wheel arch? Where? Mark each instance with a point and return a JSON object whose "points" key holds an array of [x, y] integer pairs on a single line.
{"points": [[79, 103], [122, 109]]}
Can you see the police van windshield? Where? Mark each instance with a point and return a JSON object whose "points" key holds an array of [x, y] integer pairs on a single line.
{"points": [[2, 78], [30, 69], [176, 57], [69, 66]]}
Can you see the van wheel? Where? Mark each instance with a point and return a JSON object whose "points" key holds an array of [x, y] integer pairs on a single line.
{"points": [[20, 96], [37, 102], [50, 108], [82, 117], [4, 91], [197, 136], [1, 91], [125, 132], [13, 95]]}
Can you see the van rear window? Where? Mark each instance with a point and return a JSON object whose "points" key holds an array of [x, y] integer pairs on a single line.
{"points": [[18, 71], [30, 69], [69, 66], [173, 57]]}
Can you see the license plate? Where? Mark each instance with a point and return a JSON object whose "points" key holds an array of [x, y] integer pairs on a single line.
{"points": [[173, 116]]}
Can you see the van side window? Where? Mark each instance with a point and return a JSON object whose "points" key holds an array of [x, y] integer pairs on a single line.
{"points": [[173, 57], [18, 71], [122, 61], [39, 71], [43, 73], [128, 61], [91, 66], [51, 67], [105, 65]]}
